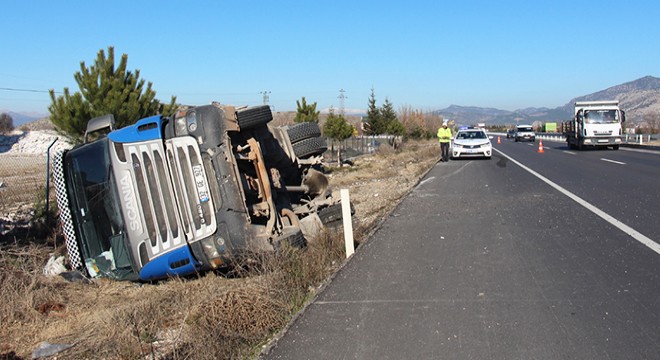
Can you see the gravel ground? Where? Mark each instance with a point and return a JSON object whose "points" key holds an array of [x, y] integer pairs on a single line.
{"points": [[377, 182]]}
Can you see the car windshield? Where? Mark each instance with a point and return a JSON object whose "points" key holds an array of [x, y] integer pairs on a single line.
{"points": [[601, 116], [95, 206], [525, 129], [471, 135]]}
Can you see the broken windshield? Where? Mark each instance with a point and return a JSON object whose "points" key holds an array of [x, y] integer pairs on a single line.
{"points": [[94, 200]]}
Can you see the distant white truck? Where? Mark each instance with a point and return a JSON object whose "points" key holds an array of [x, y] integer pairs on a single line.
{"points": [[595, 123]]}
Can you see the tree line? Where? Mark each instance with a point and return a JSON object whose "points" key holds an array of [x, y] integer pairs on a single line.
{"points": [[108, 87]]}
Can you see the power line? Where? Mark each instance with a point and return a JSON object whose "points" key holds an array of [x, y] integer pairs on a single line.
{"points": [[28, 90]]}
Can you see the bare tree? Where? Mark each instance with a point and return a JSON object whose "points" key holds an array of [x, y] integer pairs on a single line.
{"points": [[651, 119], [6, 123]]}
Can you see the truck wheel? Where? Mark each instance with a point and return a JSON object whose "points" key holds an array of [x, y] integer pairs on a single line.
{"points": [[254, 116], [309, 147], [330, 214], [333, 213], [615, 147], [303, 131]]}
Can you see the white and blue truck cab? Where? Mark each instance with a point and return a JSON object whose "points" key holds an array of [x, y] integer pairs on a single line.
{"points": [[173, 196]]}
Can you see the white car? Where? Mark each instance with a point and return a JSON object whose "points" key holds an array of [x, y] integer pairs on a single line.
{"points": [[471, 143]]}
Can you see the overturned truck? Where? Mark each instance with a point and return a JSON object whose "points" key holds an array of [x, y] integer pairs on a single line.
{"points": [[172, 196]]}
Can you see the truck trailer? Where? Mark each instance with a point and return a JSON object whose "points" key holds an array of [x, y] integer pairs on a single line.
{"points": [[173, 196], [596, 124]]}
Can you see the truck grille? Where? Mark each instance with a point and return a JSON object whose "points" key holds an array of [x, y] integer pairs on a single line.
{"points": [[191, 187], [164, 186]]}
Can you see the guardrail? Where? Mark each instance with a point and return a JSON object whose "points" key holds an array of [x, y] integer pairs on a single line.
{"points": [[633, 139]]}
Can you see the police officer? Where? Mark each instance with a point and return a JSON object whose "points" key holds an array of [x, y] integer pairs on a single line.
{"points": [[444, 136]]}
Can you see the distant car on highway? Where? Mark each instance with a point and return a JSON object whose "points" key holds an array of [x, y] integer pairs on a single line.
{"points": [[511, 133], [525, 133], [471, 143]]}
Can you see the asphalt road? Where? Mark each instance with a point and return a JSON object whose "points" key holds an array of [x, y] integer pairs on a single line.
{"points": [[483, 260]]}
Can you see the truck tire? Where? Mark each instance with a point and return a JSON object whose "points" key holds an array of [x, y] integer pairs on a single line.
{"points": [[615, 147], [303, 131], [254, 116], [296, 240], [332, 214], [309, 147]]}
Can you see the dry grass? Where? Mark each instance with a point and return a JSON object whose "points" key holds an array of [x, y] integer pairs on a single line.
{"points": [[213, 316]]}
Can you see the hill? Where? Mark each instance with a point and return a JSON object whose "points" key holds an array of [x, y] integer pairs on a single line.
{"points": [[20, 118], [636, 97]]}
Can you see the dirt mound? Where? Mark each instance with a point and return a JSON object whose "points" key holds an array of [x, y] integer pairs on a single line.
{"points": [[37, 125], [31, 142]]}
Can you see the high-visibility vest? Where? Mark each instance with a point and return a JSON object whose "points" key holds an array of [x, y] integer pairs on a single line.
{"points": [[444, 135]]}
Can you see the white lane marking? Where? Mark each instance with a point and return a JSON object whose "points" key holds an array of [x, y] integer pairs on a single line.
{"points": [[613, 161], [569, 152], [623, 227], [640, 150], [426, 180]]}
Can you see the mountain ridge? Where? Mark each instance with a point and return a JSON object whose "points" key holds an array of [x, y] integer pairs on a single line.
{"points": [[636, 97]]}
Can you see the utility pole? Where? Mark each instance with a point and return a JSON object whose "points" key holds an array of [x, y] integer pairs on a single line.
{"points": [[341, 97], [266, 96]]}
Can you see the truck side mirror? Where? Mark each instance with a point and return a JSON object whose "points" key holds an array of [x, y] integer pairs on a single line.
{"points": [[623, 116], [98, 124]]}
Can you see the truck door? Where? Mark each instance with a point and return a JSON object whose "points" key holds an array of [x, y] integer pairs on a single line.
{"points": [[579, 126]]}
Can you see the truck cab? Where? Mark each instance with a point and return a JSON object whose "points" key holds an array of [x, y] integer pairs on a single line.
{"points": [[172, 196], [595, 124]]}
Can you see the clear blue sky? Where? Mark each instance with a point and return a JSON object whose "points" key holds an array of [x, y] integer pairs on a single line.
{"points": [[425, 54]]}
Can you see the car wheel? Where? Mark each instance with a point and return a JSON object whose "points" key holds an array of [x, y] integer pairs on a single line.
{"points": [[309, 147], [303, 131], [254, 116], [615, 147]]}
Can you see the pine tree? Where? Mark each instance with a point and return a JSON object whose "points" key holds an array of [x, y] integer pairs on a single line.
{"points": [[390, 120], [306, 113], [105, 89], [337, 128], [374, 119]]}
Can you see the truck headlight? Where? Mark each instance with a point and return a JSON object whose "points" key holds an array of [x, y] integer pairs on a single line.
{"points": [[209, 248], [180, 126], [191, 119]]}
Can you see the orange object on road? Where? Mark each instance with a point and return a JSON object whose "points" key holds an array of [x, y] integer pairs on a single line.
{"points": [[541, 146], [498, 140]]}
